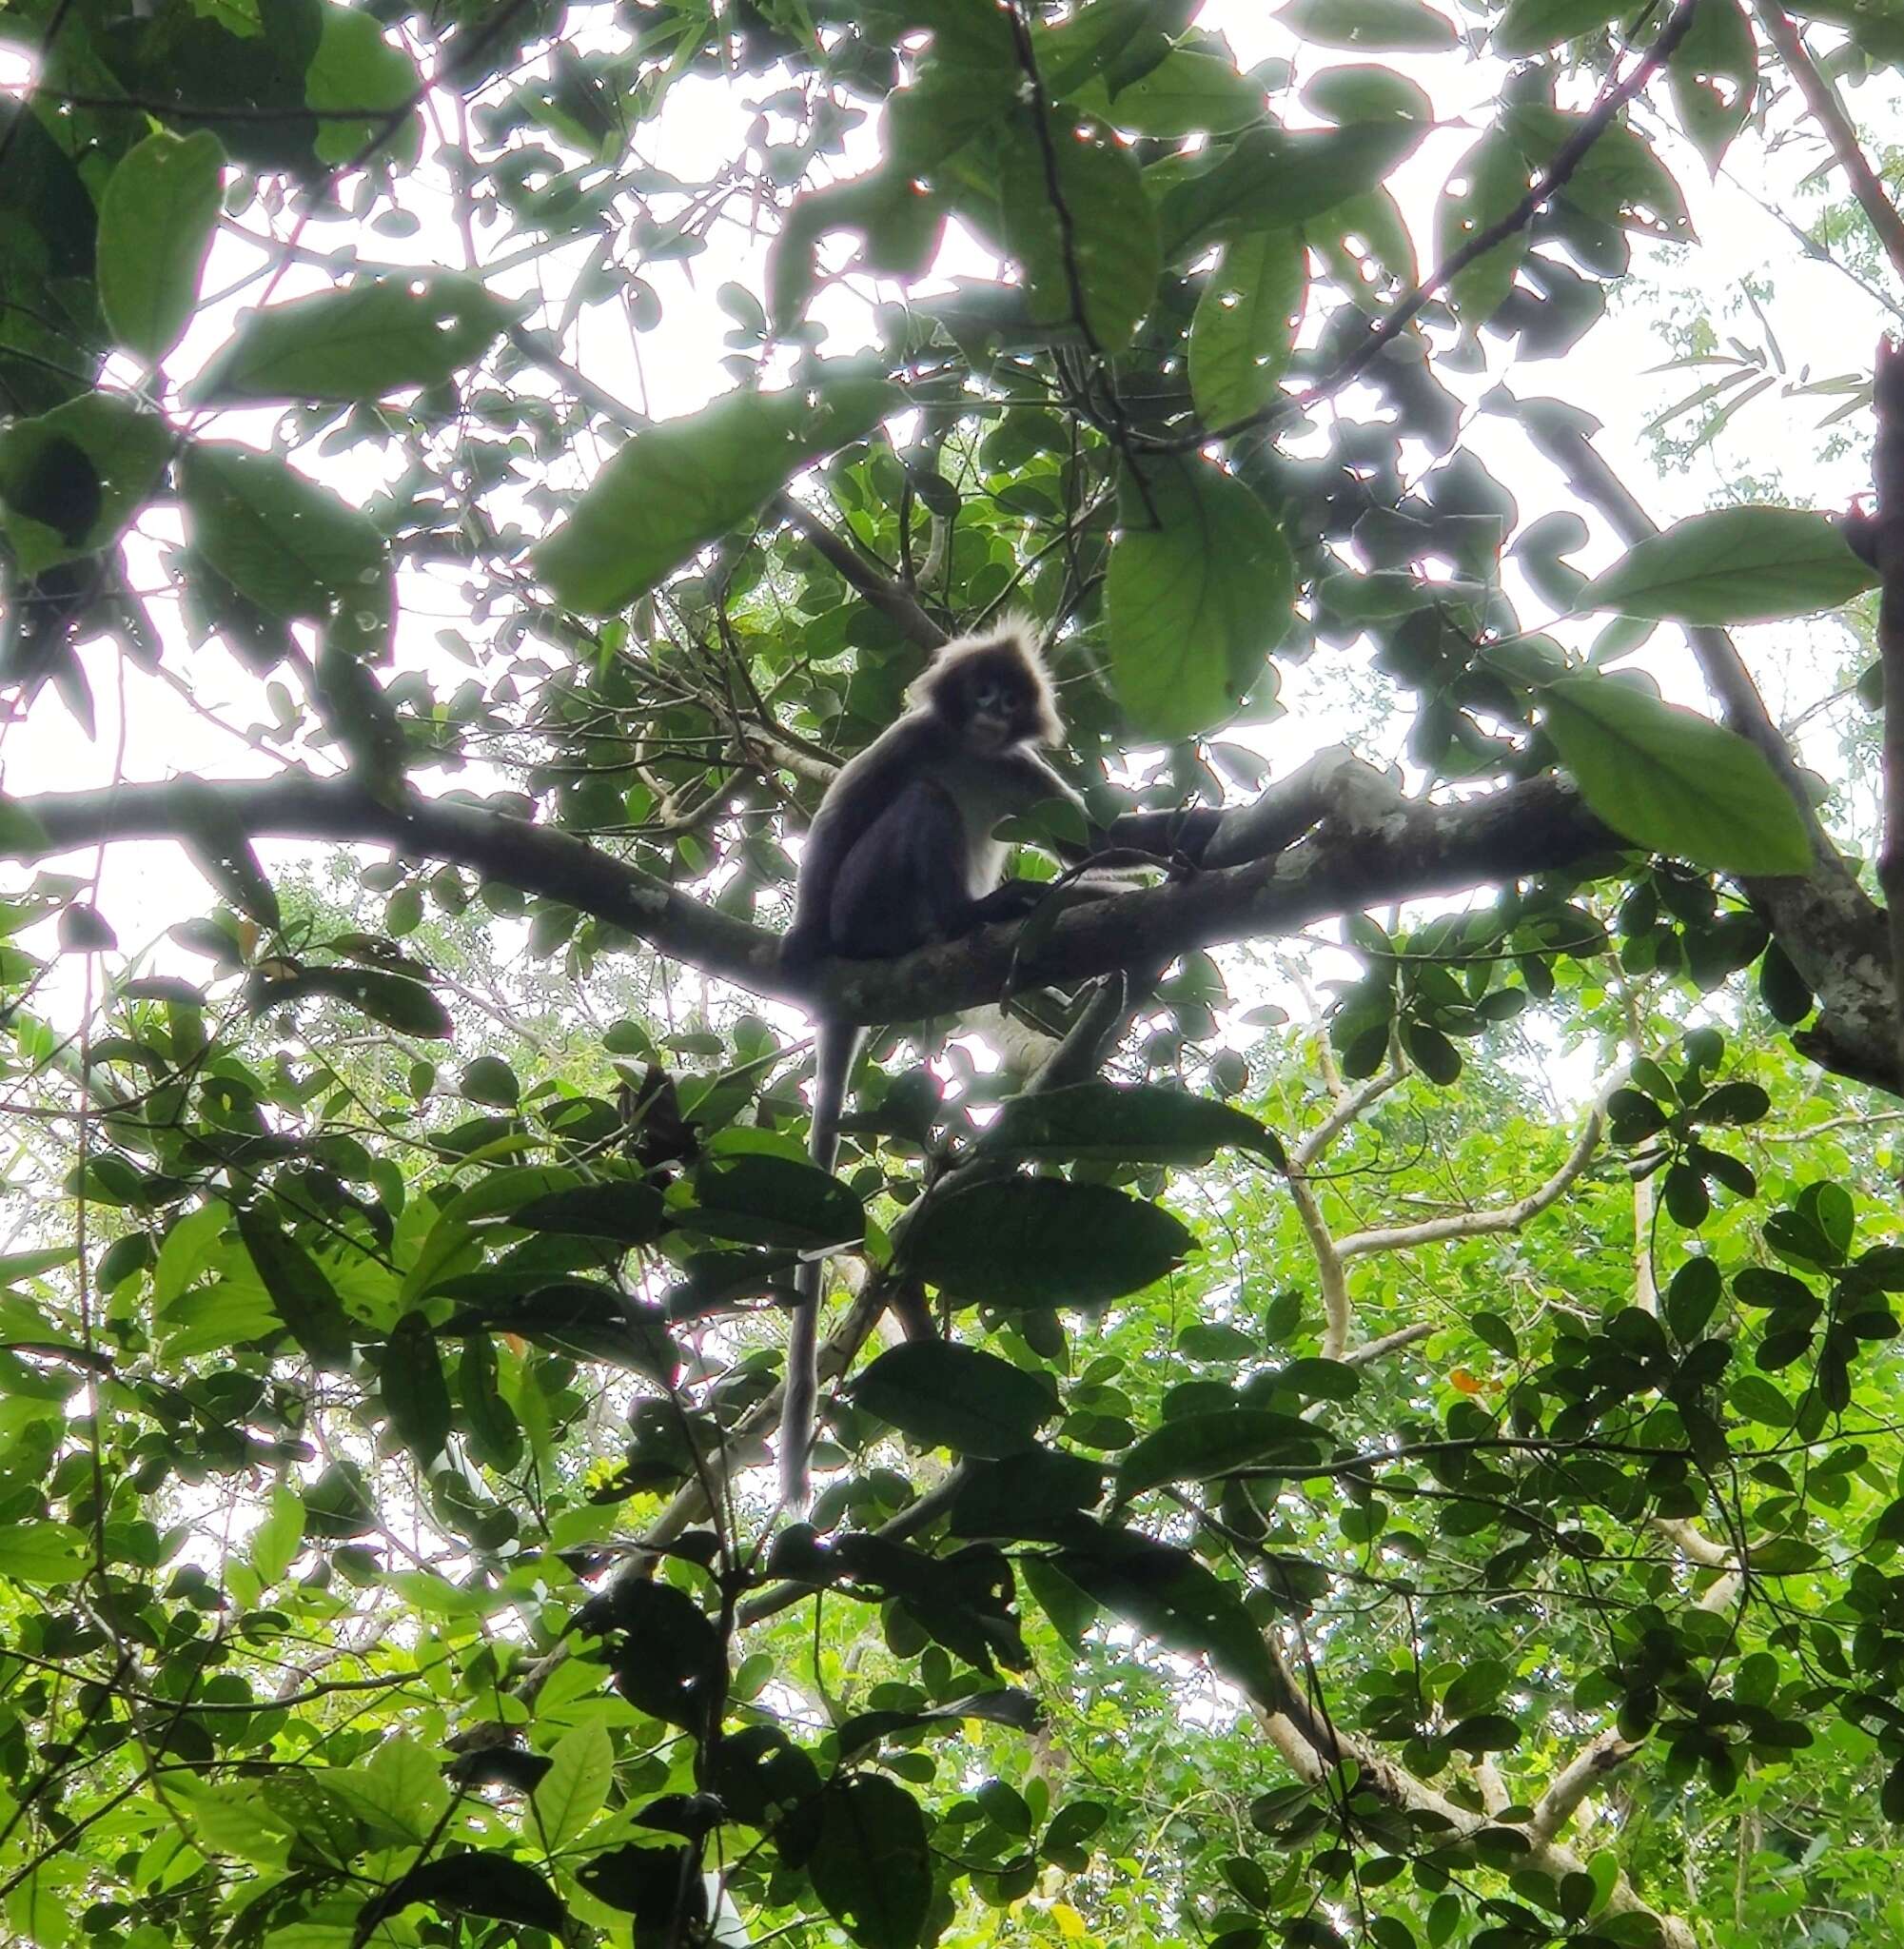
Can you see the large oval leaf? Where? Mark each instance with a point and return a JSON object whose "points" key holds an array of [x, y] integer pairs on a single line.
{"points": [[1042, 1241], [1195, 1448], [1145, 1123], [293, 547], [156, 219], [1093, 248], [947, 1396], [1674, 781], [1738, 564], [675, 487], [1245, 324], [1395, 26], [71, 479], [381, 336], [1201, 588], [761, 1199], [871, 1866]]}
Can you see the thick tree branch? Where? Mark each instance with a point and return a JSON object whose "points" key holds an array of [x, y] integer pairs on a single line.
{"points": [[1413, 849]]}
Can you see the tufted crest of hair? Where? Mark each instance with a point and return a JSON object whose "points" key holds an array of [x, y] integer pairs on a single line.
{"points": [[1005, 659]]}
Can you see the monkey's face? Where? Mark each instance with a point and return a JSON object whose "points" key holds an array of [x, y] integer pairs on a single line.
{"points": [[1000, 706]]}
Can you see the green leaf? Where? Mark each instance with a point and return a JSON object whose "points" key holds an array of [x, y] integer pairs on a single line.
{"points": [[1198, 1448], [293, 547], [379, 336], [395, 1000], [1370, 26], [1041, 1242], [1201, 588], [946, 1396], [276, 1540], [1277, 178], [1713, 74], [1528, 26], [761, 1199], [675, 487], [1673, 781], [471, 1882], [1739, 565], [354, 67], [870, 1867], [1091, 253], [416, 1396], [1169, 1596], [300, 1293], [156, 219], [489, 1080], [1244, 324], [1694, 1292], [1142, 1122], [73, 479], [1486, 186], [572, 1792], [1187, 93], [35, 1552]]}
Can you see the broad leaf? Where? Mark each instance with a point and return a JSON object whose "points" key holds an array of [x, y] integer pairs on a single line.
{"points": [[768, 1200], [1147, 1123], [1673, 781], [675, 487], [946, 1396], [156, 221], [1244, 324], [1276, 178], [571, 1793], [1394, 27], [293, 547], [1739, 565], [1196, 1447], [73, 479], [381, 336], [870, 1867], [1484, 187], [300, 1295], [1201, 588], [1041, 1242], [1528, 26], [1095, 265]]}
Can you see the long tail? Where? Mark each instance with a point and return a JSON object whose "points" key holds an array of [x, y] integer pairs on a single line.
{"points": [[837, 1046]]}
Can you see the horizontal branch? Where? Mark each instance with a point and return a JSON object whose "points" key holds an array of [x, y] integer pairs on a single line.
{"points": [[1414, 849]]}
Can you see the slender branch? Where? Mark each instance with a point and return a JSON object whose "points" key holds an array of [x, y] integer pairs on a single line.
{"points": [[889, 597], [1821, 99], [1885, 534], [1567, 158], [1501, 1217]]}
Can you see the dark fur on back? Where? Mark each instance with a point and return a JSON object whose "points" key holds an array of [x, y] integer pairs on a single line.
{"points": [[1008, 659]]}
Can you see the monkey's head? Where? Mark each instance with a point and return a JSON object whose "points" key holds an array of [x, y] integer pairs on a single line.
{"points": [[993, 690]]}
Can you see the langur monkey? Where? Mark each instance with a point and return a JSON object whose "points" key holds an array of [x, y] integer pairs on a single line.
{"points": [[899, 854]]}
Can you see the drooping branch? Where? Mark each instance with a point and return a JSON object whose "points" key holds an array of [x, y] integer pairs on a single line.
{"points": [[1821, 99], [1827, 925], [1546, 186]]}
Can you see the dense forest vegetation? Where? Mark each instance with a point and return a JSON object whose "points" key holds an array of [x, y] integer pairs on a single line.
{"points": [[1359, 1391]]}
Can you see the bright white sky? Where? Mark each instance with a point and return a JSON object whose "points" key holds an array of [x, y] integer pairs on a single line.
{"points": [[1819, 316]]}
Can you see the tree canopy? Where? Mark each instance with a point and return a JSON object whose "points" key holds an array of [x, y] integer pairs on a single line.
{"points": [[1359, 1403]]}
